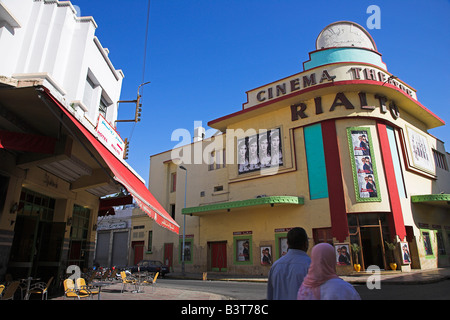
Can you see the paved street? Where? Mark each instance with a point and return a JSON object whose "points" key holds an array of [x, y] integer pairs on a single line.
{"points": [[423, 285]]}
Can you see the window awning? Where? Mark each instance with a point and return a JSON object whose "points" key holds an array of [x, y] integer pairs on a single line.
{"points": [[145, 200], [244, 203], [439, 200]]}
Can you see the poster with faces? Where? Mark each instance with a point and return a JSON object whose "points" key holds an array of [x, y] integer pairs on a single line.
{"points": [[259, 151], [364, 170]]}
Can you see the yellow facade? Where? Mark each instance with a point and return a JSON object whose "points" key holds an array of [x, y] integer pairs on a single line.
{"points": [[341, 100]]}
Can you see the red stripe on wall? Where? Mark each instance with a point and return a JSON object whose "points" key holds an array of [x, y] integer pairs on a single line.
{"points": [[394, 198], [336, 196]]}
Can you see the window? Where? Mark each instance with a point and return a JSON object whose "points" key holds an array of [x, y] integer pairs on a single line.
{"points": [[173, 182], [150, 240], [427, 243], [440, 160], [217, 160], [172, 211], [187, 249], [322, 235], [218, 188], [102, 109], [440, 243]]}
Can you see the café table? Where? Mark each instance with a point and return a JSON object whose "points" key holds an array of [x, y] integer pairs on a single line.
{"points": [[100, 285]]}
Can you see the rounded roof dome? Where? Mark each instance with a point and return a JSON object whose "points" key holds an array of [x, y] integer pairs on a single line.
{"points": [[344, 34]]}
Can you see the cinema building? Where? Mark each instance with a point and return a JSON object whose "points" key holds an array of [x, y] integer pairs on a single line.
{"points": [[60, 153], [340, 149]]}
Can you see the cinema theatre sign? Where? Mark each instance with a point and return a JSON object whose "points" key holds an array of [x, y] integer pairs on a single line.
{"points": [[336, 73]]}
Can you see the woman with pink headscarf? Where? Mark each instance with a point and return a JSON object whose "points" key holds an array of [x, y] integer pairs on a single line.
{"points": [[321, 282]]}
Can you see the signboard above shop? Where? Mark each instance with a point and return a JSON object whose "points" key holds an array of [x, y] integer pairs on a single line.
{"points": [[108, 136]]}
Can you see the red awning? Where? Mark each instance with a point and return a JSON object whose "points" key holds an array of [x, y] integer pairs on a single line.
{"points": [[27, 142], [124, 176]]}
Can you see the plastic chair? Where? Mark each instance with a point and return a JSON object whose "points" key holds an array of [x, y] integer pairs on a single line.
{"points": [[126, 280], [71, 292], [83, 288], [8, 293], [2, 287], [40, 288]]}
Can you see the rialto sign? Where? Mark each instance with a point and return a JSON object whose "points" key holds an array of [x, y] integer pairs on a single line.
{"points": [[322, 76]]}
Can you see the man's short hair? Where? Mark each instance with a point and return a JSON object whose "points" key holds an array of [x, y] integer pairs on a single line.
{"points": [[297, 239]]}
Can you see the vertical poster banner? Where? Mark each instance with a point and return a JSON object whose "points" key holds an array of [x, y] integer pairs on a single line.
{"points": [[363, 164], [260, 151]]}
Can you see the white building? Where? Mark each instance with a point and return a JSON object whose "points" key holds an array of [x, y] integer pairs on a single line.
{"points": [[46, 40], [59, 151]]}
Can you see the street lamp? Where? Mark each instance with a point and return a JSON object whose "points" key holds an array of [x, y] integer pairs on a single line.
{"points": [[184, 223]]}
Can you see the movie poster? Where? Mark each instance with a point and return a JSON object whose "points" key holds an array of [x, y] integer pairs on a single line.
{"points": [[420, 151], [260, 151], [363, 164]]}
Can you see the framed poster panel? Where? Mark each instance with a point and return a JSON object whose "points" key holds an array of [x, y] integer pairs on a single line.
{"points": [[342, 254], [419, 151], [365, 177], [260, 151], [406, 256], [266, 255]]}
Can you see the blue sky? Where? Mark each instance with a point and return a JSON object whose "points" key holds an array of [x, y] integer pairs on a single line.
{"points": [[203, 55]]}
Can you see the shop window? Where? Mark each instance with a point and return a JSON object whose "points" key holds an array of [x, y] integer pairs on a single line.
{"points": [[427, 243], [242, 244], [282, 246], [79, 236], [187, 250], [37, 205], [440, 243]]}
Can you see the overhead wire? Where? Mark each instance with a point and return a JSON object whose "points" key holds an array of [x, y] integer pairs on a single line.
{"points": [[144, 60]]}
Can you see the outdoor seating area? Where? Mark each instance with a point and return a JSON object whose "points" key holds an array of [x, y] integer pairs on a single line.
{"points": [[87, 285]]}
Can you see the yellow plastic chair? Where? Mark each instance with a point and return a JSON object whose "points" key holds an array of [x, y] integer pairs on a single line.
{"points": [[8, 293], [83, 288], [151, 281], [2, 287], [126, 280], [71, 292], [40, 288]]}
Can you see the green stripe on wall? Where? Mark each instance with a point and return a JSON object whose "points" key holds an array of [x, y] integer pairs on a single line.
{"points": [[396, 162], [315, 159]]}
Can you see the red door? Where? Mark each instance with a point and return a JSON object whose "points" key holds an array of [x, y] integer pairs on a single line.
{"points": [[138, 248], [218, 256], [168, 254]]}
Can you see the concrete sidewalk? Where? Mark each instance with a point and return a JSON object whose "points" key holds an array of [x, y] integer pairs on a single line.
{"points": [[154, 292], [387, 277]]}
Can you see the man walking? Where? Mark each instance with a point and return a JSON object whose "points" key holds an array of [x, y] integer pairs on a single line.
{"points": [[287, 273]]}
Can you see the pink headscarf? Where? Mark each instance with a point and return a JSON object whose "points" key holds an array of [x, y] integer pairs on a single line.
{"points": [[322, 269]]}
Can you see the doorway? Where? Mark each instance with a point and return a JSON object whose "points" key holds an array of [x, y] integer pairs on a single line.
{"points": [[369, 231], [138, 250], [372, 247]]}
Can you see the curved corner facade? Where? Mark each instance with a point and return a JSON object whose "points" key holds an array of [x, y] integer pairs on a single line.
{"points": [[340, 149]]}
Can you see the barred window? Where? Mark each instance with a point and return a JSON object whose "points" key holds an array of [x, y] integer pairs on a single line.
{"points": [[440, 160]]}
